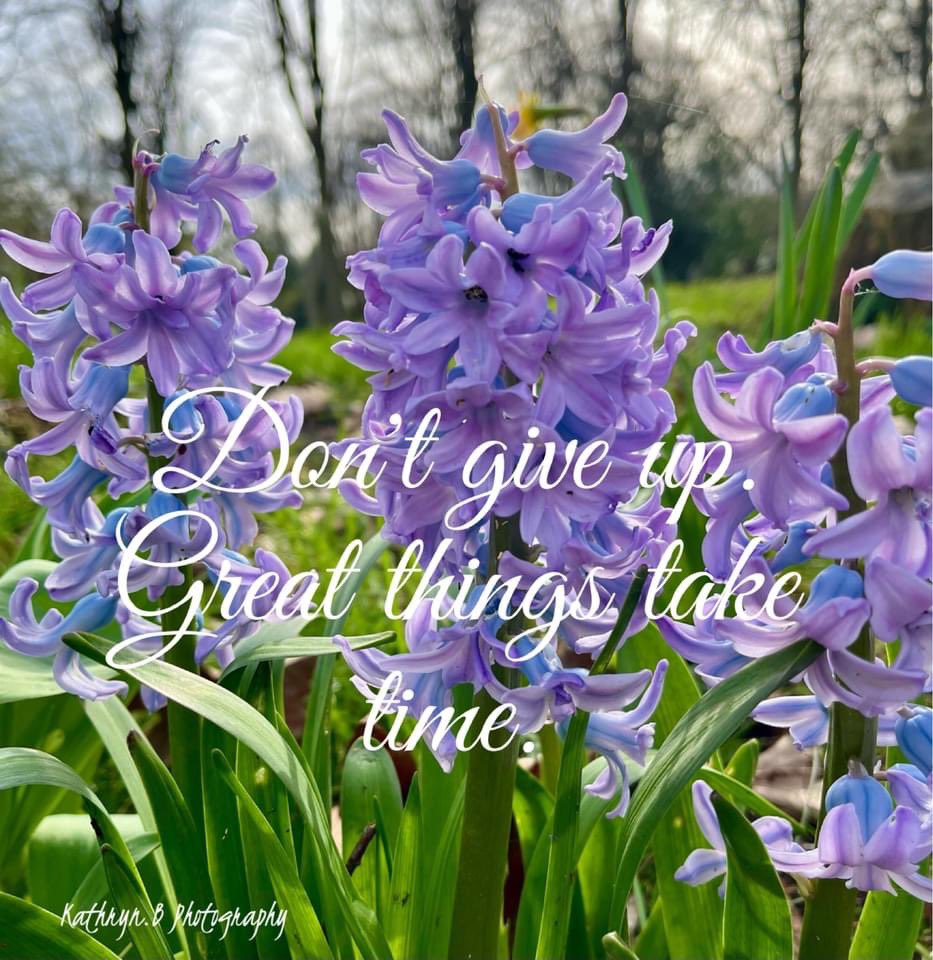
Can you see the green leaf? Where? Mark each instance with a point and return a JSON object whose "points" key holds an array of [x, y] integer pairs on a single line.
{"points": [[756, 922], [676, 833], [616, 949], [114, 724], [223, 708], [821, 253], [21, 765], [855, 201], [63, 851], [402, 923], [302, 927], [592, 810], [651, 943], [129, 894], [258, 689], [181, 842], [889, 927], [441, 887], [223, 841], [94, 886], [562, 854], [28, 932], [744, 762], [315, 738], [706, 725], [297, 647], [842, 161], [744, 796]]}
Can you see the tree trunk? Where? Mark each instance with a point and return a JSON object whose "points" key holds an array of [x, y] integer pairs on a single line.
{"points": [[119, 33], [801, 50], [462, 26]]}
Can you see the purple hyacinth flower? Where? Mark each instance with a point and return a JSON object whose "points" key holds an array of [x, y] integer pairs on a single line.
{"points": [[703, 865], [782, 458], [786, 356], [575, 154], [912, 379], [22, 632], [164, 316], [86, 552], [895, 477], [457, 302], [202, 188], [58, 257], [868, 842]]}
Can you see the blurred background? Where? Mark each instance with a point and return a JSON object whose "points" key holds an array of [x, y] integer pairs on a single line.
{"points": [[736, 110]]}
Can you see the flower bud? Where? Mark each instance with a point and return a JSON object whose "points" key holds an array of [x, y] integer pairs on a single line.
{"points": [[904, 274], [873, 804], [915, 738], [912, 378]]}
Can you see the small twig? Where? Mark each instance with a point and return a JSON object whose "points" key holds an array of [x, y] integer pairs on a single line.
{"points": [[366, 838]]}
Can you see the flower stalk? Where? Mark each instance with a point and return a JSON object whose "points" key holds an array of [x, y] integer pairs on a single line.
{"points": [[830, 912]]}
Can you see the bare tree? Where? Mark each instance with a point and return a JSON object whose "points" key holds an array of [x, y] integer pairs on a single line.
{"points": [[300, 63]]}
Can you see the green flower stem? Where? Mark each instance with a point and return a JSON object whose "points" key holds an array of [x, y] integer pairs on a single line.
{"points": [[561, 868], [829, 916], [490, 783], [484, 846]]}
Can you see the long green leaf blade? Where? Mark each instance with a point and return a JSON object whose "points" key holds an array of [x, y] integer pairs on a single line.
{"points": [[889, 927], [302, 927], [223, 708], [699, 733], [28, 932], [756, 922]]}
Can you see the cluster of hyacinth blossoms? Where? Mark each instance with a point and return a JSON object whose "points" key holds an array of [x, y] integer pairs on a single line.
{"points": [[841, 492], [120, 329], [522, 319]]}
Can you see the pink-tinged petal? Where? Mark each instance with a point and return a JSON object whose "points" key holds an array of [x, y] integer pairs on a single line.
{"points": [[840, 839], [33, 254], [154, 266], [758, 396], [815, 439], [54, 291], [836, 623], [877, 461], [897, 597], [66, 233], [720, 417], [250, 180], [923, 479], [881, 687], [483, 227], [916, 884], [854, 537], [894, 845], [420, 290], [588, 399]]}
